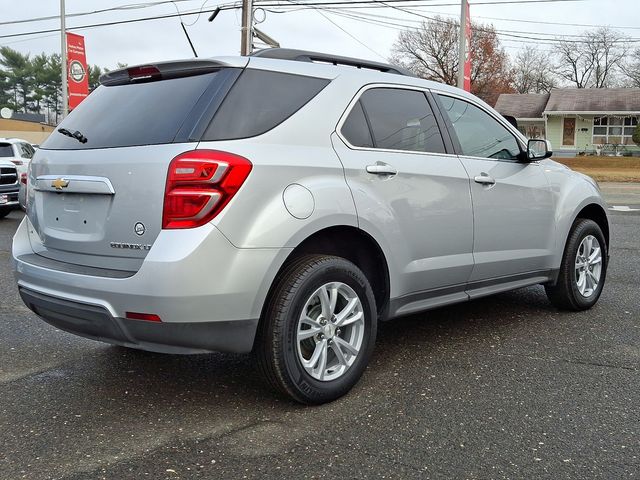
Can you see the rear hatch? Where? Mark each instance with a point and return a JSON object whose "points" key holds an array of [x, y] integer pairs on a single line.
{"points": [[97, 184]]}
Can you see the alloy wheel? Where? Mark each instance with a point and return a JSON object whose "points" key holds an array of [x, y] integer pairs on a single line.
{"points": [[330, 331], [588, 266]]}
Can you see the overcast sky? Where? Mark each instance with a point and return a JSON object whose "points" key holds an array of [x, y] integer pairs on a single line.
{"points": [[163, 39]]}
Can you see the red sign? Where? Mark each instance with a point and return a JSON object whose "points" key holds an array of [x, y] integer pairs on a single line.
{"points": [[77, 73], [467, 43]]}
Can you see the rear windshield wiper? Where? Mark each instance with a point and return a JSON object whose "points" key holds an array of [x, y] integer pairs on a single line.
{"points": [[77, 135]]}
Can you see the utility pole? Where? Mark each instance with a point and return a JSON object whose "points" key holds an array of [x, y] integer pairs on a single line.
{"points": [[63, 60], [462, 49], [246, 40]]}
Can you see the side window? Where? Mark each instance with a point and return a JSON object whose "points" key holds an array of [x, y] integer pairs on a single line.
{"points": [[259, 101], [402, 120], [479, 134], [355, 128]]}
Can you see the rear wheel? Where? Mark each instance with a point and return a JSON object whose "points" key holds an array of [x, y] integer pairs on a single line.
{"points": [[4, 211], [583, 270], [318, 330]]}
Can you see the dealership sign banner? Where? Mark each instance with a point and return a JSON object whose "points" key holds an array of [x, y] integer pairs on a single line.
{"points": [[77, 74]]}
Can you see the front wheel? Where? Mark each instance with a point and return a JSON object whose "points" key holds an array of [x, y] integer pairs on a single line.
{"points": [[4, 211], [318, 329], [583, 270]]}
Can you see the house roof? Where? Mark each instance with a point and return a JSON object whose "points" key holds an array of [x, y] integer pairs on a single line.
{"points": [[594, 100], [570, 100], [527, 105]]}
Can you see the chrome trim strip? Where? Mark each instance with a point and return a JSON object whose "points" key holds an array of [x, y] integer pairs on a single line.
{"points": [[97, 185]]}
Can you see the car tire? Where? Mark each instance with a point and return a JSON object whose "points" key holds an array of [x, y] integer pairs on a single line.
{"points": [[294, 336], [577, 288], [4, 211]]}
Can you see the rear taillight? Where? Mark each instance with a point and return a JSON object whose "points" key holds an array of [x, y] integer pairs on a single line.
{"points": [[200, 183], [18, 162]]}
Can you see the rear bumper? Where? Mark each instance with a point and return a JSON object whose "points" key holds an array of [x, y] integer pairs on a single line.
{"points": [[208, 293], [95, 322]]}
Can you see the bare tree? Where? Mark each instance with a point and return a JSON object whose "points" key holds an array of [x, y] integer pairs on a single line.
{"points": [[431, 52], [594, 61], [631, 69], [532, 71]]}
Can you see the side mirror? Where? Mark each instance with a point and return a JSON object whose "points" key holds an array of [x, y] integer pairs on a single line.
{"points": [[538, 149]]}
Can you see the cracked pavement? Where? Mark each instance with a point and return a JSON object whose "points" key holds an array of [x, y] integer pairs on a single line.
{"points": [[503, 387]]}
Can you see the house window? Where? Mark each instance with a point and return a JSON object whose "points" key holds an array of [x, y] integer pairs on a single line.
{"points": [[615, 130]]}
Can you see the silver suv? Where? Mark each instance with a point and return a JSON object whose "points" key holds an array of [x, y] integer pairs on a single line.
{"points": [[286, 202]]}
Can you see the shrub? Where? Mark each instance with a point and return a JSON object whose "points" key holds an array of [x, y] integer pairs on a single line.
{"points": [[636, 135]]}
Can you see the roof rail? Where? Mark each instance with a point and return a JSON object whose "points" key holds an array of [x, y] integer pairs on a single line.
{"points": [[306, 56]]}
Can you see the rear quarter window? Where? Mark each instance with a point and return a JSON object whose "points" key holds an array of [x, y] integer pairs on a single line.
{"points": [[259, 101], [356, 129]]}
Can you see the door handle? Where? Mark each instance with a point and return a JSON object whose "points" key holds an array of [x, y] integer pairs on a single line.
{"points": [[484, 179], [381, 169]]}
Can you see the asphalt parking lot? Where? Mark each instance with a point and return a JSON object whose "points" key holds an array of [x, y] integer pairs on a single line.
{"points": [[504, 387]]}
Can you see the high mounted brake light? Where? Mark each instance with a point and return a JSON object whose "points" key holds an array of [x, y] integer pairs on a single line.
{"points": [[200, 183], [143, 72]]}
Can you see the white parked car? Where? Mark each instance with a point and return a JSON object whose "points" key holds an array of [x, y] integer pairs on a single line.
{"points": [[19, 152], [9, 186]]}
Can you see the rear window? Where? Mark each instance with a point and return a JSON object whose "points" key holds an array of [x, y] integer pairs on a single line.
{"points": [[132, 114], [259, 101], [6, 150]]}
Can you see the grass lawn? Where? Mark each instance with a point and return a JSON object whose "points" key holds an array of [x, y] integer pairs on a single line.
{"points": [[606, 169]]}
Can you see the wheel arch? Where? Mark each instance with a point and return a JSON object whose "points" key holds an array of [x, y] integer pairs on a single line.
{"points": [[595, 212], [350, 243]]}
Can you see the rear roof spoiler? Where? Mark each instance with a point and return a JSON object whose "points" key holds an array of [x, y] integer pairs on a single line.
{"points": [[307, 56], [165, 70]]}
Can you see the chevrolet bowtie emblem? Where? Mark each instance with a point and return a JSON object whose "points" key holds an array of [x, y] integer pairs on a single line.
{"points": [[60, 183]]}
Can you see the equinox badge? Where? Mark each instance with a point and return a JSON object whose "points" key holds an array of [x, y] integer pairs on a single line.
{"points": [[130, 246], [60, 183]]}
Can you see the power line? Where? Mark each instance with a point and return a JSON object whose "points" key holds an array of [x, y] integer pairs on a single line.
{"points": [[485, 2], [133, 6], [523, 35], [317, 5], [539, 22], [319, 11], [104, 24], [507, 33], [351, 35]]}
